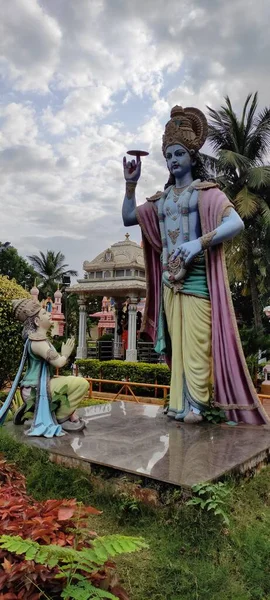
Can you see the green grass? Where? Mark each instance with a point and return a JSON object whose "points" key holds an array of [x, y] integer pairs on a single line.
{"points": [[92, 402], [191, 555]]}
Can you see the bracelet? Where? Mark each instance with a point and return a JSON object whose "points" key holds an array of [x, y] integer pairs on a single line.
{"points": [[130, 188], [207, 239]]}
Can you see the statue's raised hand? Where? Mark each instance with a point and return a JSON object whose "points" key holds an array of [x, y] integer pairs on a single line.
{"points": [[67, 347], [132, 169]]}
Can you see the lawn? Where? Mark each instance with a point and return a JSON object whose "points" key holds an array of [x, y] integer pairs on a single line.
{"points": [[192, 554]]}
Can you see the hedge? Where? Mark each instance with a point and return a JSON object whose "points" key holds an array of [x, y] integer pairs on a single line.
{"points": [[11, 345], [119, 370]]}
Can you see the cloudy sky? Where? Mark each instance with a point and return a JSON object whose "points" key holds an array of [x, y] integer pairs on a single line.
{"points": [[82, 81]]}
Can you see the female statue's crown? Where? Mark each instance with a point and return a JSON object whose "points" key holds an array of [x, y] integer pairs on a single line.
{"points": [[187, 126], [25, 308]]}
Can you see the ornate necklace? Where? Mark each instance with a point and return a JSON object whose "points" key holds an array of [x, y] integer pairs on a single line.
{"points": [[177, 192], [169, 213], [174, 233], [179, 199]]}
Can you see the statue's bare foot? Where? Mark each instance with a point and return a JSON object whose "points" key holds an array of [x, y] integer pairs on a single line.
{"points": [[170, 414], [74, 417], [192, 418], [73, 426]]}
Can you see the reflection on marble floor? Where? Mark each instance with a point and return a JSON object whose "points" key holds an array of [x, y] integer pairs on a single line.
{"points": [[138, 438]]}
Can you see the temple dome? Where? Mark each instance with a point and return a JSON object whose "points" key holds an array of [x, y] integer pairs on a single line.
{"points": [[118, 271], [121, 254]]}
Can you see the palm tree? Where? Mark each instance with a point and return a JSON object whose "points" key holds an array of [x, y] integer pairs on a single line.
{"points": [[51, 269], [240, 147]]}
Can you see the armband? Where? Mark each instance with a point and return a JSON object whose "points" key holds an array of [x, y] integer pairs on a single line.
{"points": [[130, 188], [51, 355]]}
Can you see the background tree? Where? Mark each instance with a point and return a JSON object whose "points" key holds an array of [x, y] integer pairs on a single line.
{"points": [[240, 146], [15, 267], [51, 268], [11, 344]]}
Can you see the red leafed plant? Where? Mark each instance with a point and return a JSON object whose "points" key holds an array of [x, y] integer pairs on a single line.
{"points": [[59, 522]]}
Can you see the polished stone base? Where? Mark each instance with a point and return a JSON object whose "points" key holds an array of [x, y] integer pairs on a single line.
{"points": [[140, 439]]}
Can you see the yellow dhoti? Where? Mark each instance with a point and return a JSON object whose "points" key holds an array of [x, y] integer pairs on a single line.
{"points": [[77, 388], [189, 326]]}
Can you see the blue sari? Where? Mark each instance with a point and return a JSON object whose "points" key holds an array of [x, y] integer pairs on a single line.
{"points": [[44, 421]]}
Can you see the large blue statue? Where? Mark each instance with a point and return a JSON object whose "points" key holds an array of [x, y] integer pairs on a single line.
{"points": [[189, 313]]}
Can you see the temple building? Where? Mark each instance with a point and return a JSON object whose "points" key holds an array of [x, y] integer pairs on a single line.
{"points": [[58, 318], [119, 273], [106, 323]]}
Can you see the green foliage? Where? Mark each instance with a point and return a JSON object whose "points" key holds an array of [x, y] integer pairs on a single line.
{"points": [[84, 590], [241, 144], [56, 547], [128, 504], [191, 555], [86, 559], [106, 337], [16, 403], [15, 267], [118, 370], [60, 398], [51, 269], [252, 341], [11, 345], [214, 415], [71, 562], [211, 497], [92, 402]]}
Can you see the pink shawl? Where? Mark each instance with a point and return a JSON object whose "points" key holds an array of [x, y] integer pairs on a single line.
{"points": [[233, 388]]}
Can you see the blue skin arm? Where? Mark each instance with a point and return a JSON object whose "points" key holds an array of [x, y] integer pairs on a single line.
{"points": [[129, 211], [132, 172], [230, 226]]}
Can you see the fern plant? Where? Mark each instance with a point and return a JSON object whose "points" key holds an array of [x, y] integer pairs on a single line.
{"points": [[84, 590], [72, 562], [211, 497]]}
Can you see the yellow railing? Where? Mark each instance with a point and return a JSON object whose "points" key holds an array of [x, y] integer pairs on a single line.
{"points": [[126, 387]]}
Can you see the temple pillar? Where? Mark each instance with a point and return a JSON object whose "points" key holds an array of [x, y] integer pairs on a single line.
{"points": [[82, 347], [117, 346], [131, 353]]}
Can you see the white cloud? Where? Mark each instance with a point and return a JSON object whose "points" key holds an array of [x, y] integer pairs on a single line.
{"points": [[30, 42], [85, 81], [18, 125]]}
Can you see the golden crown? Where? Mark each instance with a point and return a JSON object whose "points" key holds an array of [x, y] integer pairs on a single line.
{"points": [[187, 126], [25, 308]]}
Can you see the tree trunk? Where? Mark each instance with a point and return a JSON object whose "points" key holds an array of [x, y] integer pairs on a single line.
{"points": [[254, 293]]}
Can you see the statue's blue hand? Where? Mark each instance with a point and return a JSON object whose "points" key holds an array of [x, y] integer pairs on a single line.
{"points": [[132, 170], [188, 250]]}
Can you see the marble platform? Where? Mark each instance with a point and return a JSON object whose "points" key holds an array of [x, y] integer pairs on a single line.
{"points": [[139, 439]]}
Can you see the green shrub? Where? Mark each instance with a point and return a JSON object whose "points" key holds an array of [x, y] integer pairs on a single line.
{"points": [[106, 337], [118, 370], [252, 364], [11, 345]]}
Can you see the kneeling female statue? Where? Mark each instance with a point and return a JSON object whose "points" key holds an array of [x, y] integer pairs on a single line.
{"points": [[53, 400]]}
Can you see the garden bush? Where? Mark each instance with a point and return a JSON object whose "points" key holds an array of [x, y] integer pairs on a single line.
{"points": [[11, 344], [121, 370], [47, 549]]}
